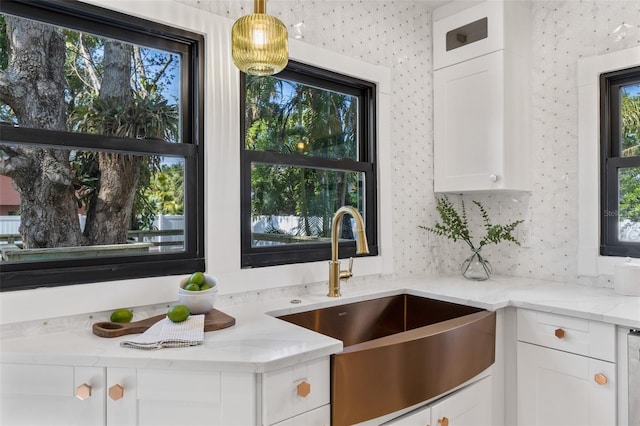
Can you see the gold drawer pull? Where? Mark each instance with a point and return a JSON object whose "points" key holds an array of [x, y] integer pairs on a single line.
{"points": [[443, 421], [304, 389], [83, 392], [600, 379], [116, 392], [560, 333]]}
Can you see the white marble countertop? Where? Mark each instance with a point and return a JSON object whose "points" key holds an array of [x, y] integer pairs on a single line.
{"points": [[259, 342]]}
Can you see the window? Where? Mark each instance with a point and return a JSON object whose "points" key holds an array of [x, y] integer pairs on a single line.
{"points": [[102, 139], [308, 147], [620, 163]]}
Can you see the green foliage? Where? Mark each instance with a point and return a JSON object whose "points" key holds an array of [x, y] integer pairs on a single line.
{"points": [[296, 119], [145, 117], [87, 176], [152, 114], [629, 201], [455, 226], [629, 178], [150, 117], [496, 233], [166, 190], [630, 110], [144, 208]]}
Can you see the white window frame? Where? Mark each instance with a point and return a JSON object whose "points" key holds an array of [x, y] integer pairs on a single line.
{"points": [[590, 262]]}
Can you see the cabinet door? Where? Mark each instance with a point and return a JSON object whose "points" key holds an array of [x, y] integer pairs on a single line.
{"points": [[560, 388], [470, 406], [468, 125], [50, 395], [468, 34], [121, 396], [294, 390], [156, 397]]}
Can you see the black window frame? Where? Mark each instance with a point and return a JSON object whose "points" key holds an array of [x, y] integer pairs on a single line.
{"points": [[611, 161], [365, 91], [104, 22]]}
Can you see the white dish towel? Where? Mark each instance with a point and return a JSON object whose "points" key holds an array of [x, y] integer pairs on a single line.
{"points": [[168, 334]]}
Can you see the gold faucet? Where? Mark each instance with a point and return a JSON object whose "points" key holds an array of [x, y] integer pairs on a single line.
{"points": [[335, 274]]}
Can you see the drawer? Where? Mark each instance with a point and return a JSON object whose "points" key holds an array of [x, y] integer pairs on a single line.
{"points": [[25, 379], [576, 335], [191, 386], [295, 390]]}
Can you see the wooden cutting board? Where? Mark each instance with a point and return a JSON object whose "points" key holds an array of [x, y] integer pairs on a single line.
{"points": [[214, 320]]}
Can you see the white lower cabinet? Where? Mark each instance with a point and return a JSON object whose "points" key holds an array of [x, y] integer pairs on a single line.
{"points": [[469, 406], [66, 395], [46, 395], [566, 371], [173, 397]]}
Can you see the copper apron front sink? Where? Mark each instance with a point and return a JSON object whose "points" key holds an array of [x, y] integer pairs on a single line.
{"points": [[399, 351]]}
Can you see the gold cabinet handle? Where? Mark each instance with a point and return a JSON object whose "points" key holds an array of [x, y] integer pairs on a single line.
{"points": [[560, 333], [443, 421], [600, 379], [304, 388], [83, 392], [116, 392]]}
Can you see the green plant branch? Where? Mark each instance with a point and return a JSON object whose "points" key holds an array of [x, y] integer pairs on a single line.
{"points": [[455, 226]]}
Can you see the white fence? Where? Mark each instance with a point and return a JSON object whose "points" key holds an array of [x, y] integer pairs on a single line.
{"points": [[11, 225], [286, 224]]}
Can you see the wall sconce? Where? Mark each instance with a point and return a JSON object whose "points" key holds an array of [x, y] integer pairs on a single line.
{"points": [[259, 42]]}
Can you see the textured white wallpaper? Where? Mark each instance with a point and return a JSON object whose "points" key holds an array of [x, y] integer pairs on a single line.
{"points": [[563, 32], [397, 34]]}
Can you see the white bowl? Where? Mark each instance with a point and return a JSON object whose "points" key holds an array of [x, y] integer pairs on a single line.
{"points": [[198, 302], [209, 279]]}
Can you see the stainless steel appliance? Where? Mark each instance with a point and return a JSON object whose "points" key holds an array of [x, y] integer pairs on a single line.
{"points": [[634, 377]]}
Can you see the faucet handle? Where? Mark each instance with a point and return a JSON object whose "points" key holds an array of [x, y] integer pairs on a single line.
{"points": [[345, 275]]}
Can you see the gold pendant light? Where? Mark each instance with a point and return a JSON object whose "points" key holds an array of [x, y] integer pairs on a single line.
{"points": [[259, 42]]}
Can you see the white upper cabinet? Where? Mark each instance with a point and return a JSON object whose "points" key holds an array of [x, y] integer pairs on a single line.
{"points": [[482, 98]]}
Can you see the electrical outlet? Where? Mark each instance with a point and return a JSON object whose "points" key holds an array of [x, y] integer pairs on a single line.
{"points": [[524, 234]]}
